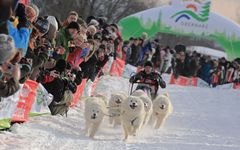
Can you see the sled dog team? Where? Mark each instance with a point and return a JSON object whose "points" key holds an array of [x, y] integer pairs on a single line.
{"points": [[133, 112]]}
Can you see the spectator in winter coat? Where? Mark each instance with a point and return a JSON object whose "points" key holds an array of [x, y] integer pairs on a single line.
{"points": [[180, 64], [9, 73], [88, 66], [167, 60], [135, 54], [76, 55], [194, 65], [156, 58], [37, 52], [65, 36], [148, 80], [102, 59], [204, 72], [57, 83], [21, 34]]}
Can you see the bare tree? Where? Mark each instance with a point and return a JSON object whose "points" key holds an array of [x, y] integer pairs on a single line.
{"points": [[113, 10]]}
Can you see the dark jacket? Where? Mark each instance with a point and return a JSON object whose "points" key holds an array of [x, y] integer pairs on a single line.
{"points": [[154, 78], [57, 86], [100, 64], [38, 56], [89, 68], [8, 88], [135, 55]]}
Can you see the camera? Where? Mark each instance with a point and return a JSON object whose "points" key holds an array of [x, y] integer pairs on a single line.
{"points": [[71, 46]]}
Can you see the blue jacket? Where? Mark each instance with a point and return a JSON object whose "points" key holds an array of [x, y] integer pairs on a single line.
{"points": [[20, 36]]}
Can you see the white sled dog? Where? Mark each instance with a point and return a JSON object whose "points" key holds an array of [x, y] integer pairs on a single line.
{"points": [[115, 108], [95, 109], [148, 107], [162, 108], [147, 104], [132, 115]]}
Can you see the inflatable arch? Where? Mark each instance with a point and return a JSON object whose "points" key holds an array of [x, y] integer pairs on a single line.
{"points": [[190, 20]]}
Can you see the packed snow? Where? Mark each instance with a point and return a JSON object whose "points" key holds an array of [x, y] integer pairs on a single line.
{"points": [[202, 118]]}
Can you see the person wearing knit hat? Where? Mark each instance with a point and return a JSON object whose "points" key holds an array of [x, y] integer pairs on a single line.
{"points": [[81, 22], [53, 21], [52, 32], [114, 25], [94, 23], [148, 80], [73, 25], [7, 52], [31, 14], [148, 63], [35, 8], [42, 25], [7, 48]]}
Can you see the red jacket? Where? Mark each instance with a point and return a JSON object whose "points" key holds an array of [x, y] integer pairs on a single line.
{"points": [[74, 57]]}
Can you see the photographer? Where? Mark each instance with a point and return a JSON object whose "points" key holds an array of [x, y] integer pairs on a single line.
{"points": [[38, 49], [60, 83], [9, 73]]}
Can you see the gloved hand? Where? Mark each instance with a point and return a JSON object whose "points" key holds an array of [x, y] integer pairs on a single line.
{"points": [[135, 78], [162, 83], [21, 14], [138, 76], [132, 79], [20, 11]]}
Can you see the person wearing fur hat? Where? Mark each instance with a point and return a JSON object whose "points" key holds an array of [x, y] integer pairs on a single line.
{"points": [[9, 73], [148, 80]]}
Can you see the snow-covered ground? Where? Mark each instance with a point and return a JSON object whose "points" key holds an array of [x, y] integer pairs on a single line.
{"points": [[203, 119]]}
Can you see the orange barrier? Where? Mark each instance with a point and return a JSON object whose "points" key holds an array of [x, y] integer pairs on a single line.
{"points": [[183, 81], [78, 93], [26, 99], [236, 86], [117, 67]]}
